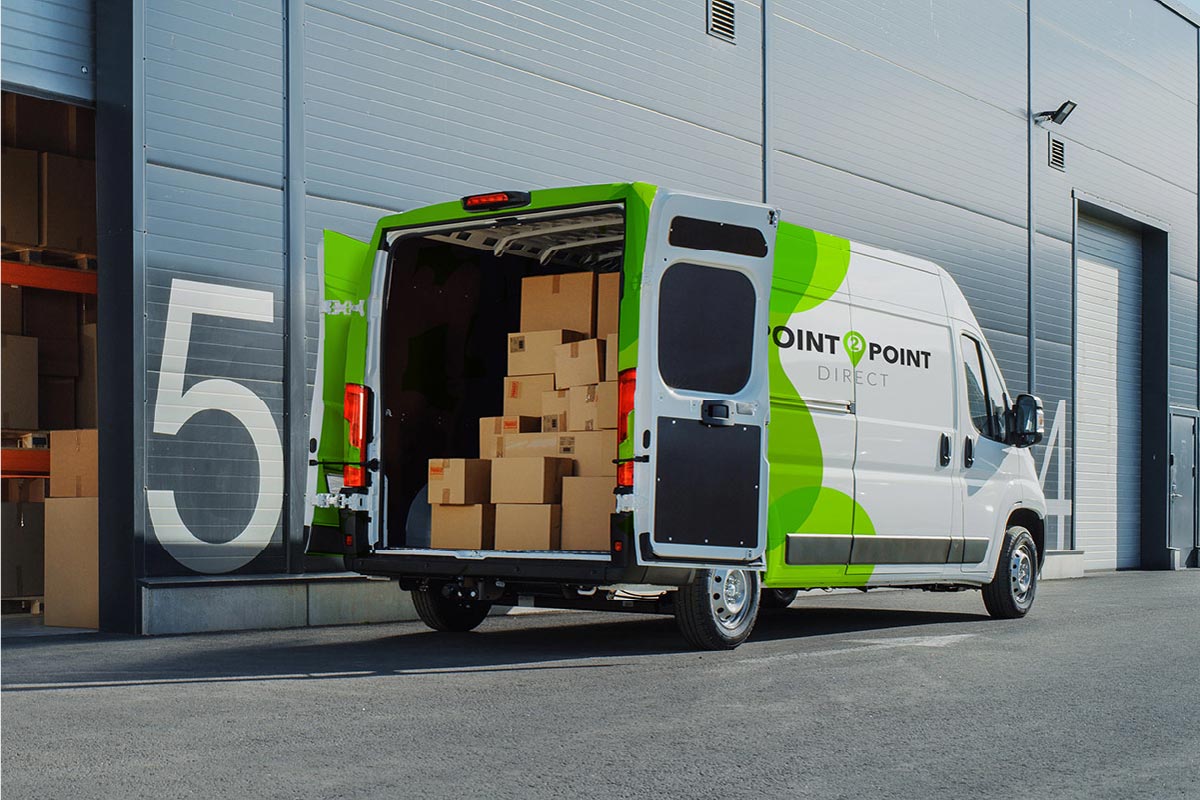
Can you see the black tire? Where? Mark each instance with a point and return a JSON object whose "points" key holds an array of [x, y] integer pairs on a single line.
{"points": [[718, 609], [1013, 587], [444, 612], [778, 598]]}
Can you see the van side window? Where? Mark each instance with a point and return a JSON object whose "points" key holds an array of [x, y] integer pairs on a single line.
{"points": [[997, 397], [977, 404]]}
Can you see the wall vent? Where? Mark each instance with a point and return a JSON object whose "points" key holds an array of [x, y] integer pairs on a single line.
{"points": [[720, 20], [1058, 154]]}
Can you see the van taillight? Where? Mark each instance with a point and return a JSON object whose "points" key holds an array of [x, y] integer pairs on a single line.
{"points": [[626, 388], [354, 409], [626, 385]]}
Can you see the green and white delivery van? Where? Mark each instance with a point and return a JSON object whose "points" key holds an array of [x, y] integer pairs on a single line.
{"points": [[795, 411]]}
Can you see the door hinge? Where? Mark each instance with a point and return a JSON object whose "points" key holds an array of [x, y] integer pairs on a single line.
{"points": [[340, 308]]}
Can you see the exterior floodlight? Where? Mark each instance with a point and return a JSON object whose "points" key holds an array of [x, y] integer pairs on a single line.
{"points": [[1057, 116]]}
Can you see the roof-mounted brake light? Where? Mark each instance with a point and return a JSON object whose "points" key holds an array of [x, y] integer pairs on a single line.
{"points": [[491, 200]]}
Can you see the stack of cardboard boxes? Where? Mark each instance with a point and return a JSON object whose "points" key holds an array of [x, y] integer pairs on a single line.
{"points": [[546, 473]]}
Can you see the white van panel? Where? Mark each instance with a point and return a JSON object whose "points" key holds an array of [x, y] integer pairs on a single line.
{"points": [[904, 406]]}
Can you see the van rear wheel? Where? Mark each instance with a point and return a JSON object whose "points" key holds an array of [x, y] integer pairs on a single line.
{"points": [[718, 609], [442, 609], [1010, 593], [778, 598]]}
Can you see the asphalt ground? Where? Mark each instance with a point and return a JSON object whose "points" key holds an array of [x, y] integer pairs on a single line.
{"points": [[889, 694]]}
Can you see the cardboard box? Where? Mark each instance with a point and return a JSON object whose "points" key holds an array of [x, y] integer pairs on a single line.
{"points": [[559, 302], [532, 353], [73, 463], [72, 562], [11, 314], [534, 479], [18, 382], [555, 405], [459, 481], [68, 203], [85, 389], [578, 363], [54, 127], [593, 408], [56, 403], [19, 187], [523, 395], [22, 541], [53, 318], [24, 490], [593, 451], [608, 303], [587, 504], [528, 527], [463, 527], [39, 440], [492, 430], [611, 351]]}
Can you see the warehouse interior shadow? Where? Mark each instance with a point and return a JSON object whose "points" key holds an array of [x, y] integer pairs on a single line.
{"points": [[560, 642]]}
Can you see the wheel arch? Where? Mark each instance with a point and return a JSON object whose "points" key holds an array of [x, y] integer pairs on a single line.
{"points": [[1035, 524]]}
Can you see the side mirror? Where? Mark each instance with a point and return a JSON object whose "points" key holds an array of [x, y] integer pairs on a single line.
{"points": [[1027, 421]]}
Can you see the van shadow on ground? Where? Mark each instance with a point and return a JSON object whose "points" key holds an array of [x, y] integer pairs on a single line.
{"points": [[553, 641]]}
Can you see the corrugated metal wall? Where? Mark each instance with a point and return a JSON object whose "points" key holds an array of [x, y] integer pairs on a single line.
{"points": [[896, 122], [47, 47]]}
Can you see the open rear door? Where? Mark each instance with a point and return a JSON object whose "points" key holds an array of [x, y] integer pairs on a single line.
{"points": [[341, 262], [702, 483]]}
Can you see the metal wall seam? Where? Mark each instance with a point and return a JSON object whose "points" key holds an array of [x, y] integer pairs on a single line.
{"points": [[295, 407], [1031, 129], [767, 154]]}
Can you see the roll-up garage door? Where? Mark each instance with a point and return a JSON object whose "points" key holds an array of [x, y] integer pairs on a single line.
{"points": [[1108, 394], [48, 48]]}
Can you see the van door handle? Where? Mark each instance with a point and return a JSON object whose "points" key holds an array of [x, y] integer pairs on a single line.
{"points": [[944, 450], [969, 452], [716, 412]]}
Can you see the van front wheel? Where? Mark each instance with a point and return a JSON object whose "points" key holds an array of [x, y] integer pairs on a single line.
{"points": [[1011, 591], [443, 610], [717, 610]]}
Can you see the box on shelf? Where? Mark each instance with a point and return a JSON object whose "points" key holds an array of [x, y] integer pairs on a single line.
{"points": [[594, 407], [532, 352], [68, 203], [523, 395], [559, 302], [56, 402], [53, 317], [72, 562], [25, 490], [73, 463], [554, 411], [587, 504], [532, 479], [34, 441], [463, 527], [85, 390], [11, 314], [18, 382], [19, 186], [592, 451], [492, 430], [523, 526], [611, 350], [459, 481], [578, 363], [22, 540], [608, 303]]}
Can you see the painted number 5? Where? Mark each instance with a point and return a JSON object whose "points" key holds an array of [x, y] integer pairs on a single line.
{"points": [[173, 407]]}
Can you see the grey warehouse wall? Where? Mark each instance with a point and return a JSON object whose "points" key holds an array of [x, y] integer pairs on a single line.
{"points": [[901, 124]]}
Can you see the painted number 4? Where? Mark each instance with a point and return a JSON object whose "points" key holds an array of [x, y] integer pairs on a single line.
{"points": [[173, 407]]}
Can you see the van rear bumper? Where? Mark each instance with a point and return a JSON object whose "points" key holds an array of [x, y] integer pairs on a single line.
{"points": [[598, 569]]}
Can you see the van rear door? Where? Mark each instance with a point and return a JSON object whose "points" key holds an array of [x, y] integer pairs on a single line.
{"points": [[701, 482]]}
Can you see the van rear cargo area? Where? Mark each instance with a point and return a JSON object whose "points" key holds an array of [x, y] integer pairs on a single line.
{"points": [[497, 411]]}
